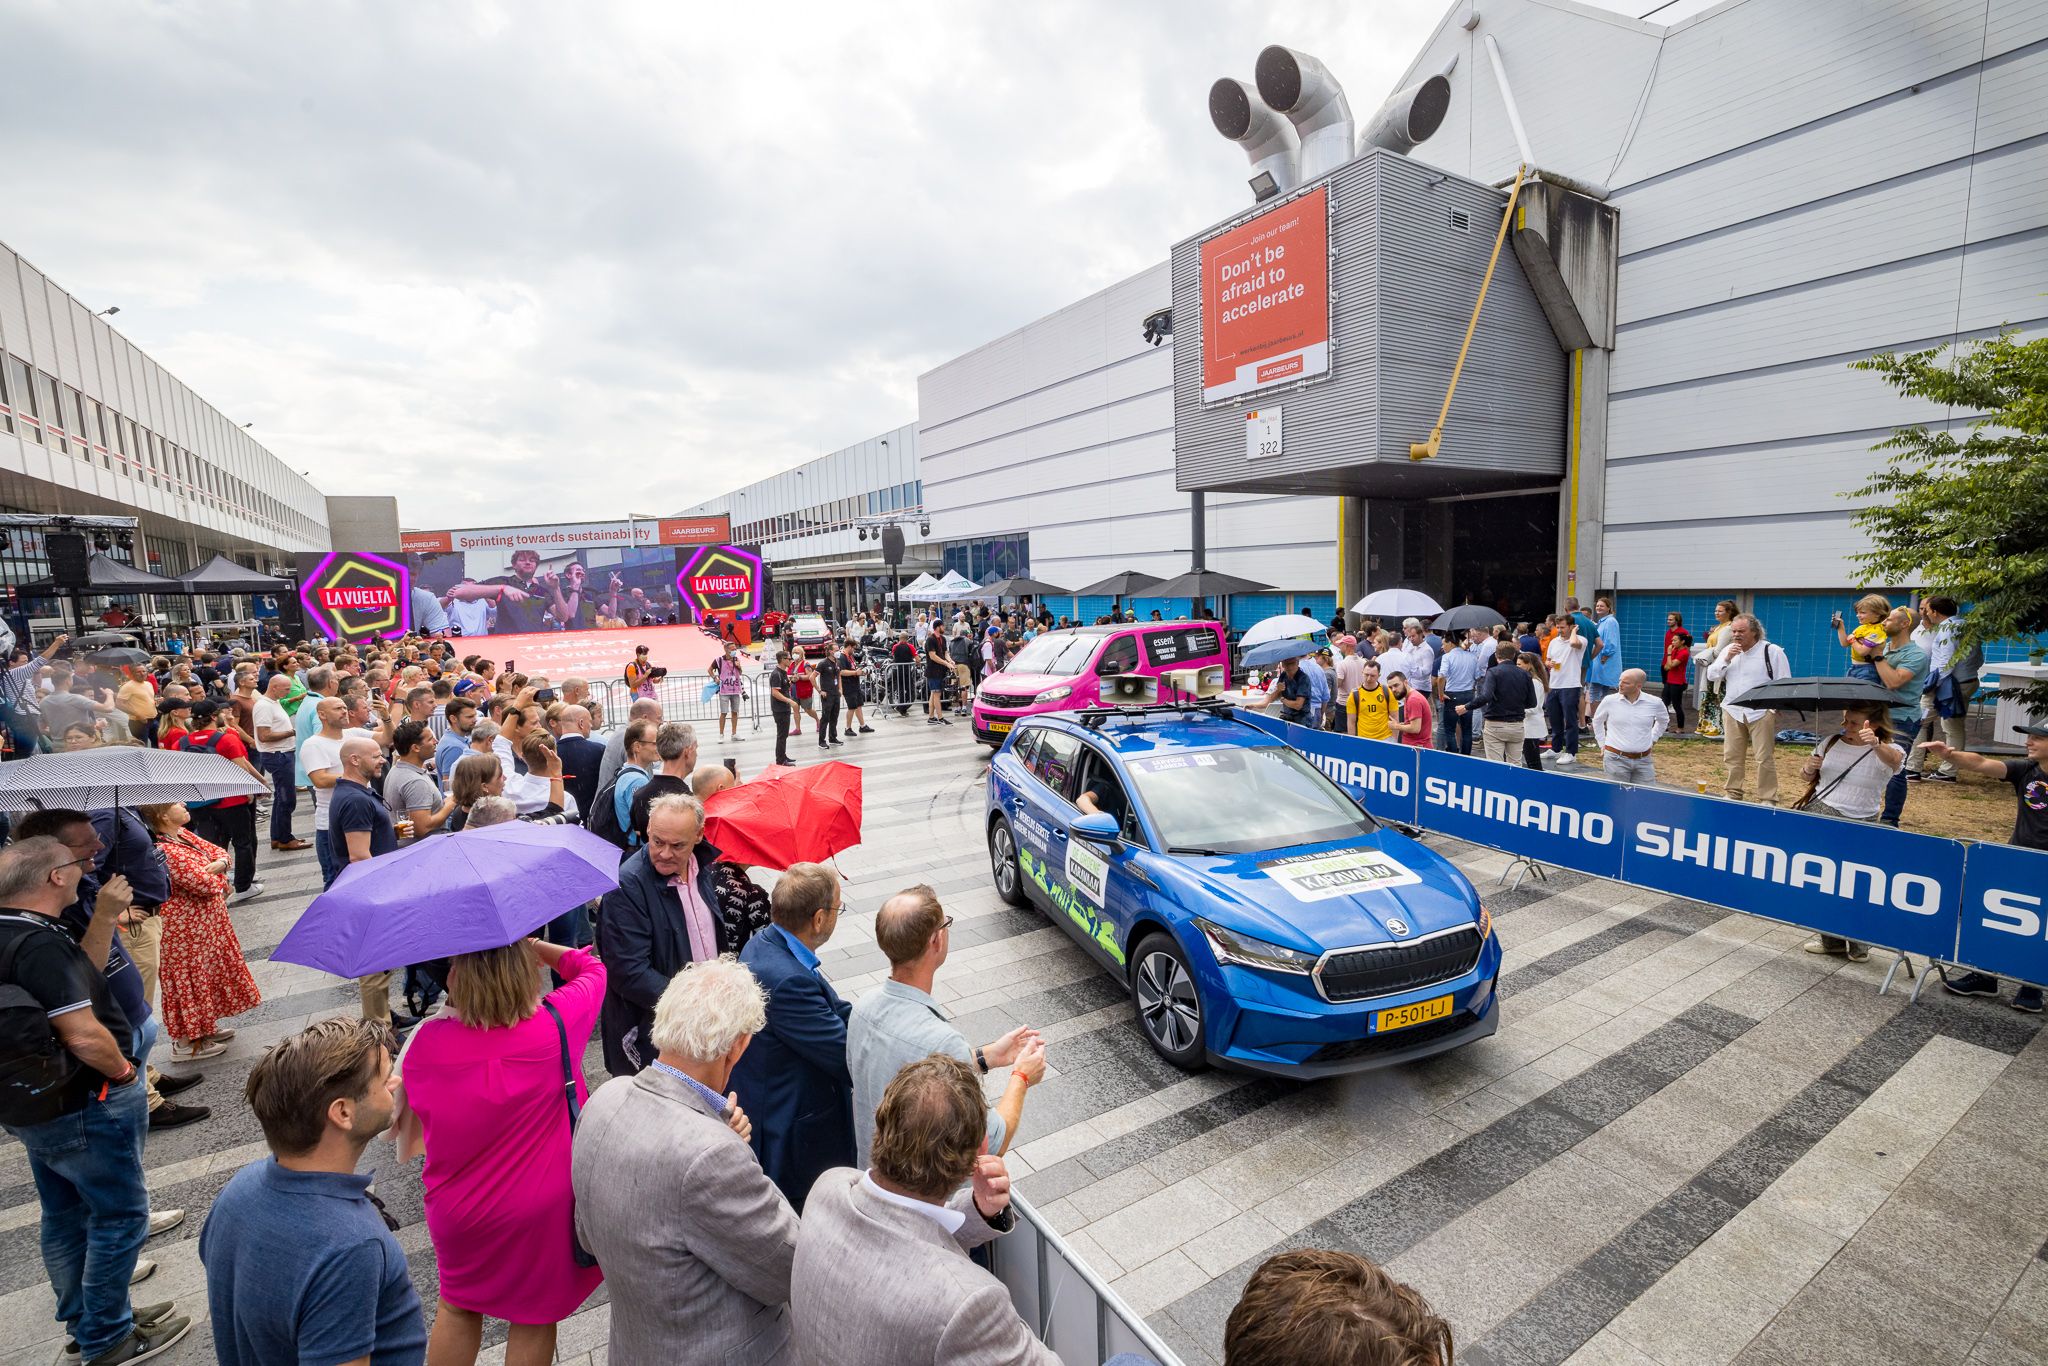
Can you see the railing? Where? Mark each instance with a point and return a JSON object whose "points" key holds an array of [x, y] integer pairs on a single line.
{"points": [[682, 699], [1072, 1309]]}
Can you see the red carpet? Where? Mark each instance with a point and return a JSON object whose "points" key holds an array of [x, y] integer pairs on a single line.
{"points": [[594, 654]]}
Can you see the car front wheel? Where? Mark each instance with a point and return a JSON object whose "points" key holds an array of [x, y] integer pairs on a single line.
{"points": [[1002, 858], [1169, 1006]]}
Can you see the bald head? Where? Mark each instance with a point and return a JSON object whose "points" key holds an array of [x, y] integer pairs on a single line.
{"points": [[709, 780], [331, 713], [1632, 681], [645, 709], [280, 684], [907, 928], [361, 757], [575, 721]]}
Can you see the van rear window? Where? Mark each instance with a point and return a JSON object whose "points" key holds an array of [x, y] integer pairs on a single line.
{"points": [[1182, 645]]}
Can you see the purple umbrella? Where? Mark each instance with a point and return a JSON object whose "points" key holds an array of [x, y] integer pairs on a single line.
{"points": [[450, 894]]}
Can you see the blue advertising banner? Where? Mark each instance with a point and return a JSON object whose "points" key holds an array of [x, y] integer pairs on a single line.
{"points": [[2005, 912], [1571, 822], [1846, 878], [1272, 725], [1379, 773]]}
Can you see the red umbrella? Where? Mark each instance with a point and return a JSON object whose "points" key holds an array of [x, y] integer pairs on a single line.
{"points": [[786, 816]]}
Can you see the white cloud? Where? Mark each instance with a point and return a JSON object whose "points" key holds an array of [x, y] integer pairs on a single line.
{"points": [[523, 261]]}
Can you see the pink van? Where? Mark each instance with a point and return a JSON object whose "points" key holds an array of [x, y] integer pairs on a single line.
{"points": [[1063, 670]]}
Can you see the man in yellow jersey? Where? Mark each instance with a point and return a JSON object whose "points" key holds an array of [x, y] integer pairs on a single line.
{"points": [[1367, 708]]}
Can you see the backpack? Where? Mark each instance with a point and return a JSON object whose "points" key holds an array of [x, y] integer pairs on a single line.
{"points": [[185, 742], [34, 1064], [603, 818]]}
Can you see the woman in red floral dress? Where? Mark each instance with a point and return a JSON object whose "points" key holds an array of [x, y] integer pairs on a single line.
{"points": [[202, 975]]}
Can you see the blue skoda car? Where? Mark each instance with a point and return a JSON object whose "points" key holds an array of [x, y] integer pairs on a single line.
{"points": [[1261, 918]]}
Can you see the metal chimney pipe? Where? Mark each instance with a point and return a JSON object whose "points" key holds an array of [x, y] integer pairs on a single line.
{"points": [[1302, 88], [1268, 140], [1408, 117]]}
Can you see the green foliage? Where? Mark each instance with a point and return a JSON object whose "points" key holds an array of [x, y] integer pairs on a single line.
{"points": [[1969, 516]]}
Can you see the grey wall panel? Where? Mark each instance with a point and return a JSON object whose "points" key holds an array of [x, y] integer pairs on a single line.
{"points": [[1809, 473], [1768, 552], [35, 298], [83, 342], [1117, 382], [13, 314], [1909, 302], [1750, 71], [2014, 23], [1035, 445], [1403, 281]]}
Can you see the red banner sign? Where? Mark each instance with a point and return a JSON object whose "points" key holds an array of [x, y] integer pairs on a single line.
{"points": [[1266, 299]]}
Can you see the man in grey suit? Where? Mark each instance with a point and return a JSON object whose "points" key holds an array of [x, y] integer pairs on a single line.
{"points": [[695, 1241], [911, 1214]]}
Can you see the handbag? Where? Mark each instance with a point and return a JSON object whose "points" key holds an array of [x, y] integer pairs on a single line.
{"points": [[576, 1248], [1814, 792]]}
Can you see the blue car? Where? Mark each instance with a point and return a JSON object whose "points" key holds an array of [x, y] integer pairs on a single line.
{"points": [[1261, 918]]}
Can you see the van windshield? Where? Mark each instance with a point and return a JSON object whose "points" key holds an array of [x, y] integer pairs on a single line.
{"points": [[1061, 656]]}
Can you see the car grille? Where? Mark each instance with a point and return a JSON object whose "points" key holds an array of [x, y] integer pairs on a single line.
{"points": [[1364, 973], [1392, 1040], [1003, 699]]}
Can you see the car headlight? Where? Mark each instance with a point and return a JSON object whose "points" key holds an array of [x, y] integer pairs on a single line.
{"points": [[1230, 946], [1053, 694], [1485, 924]]}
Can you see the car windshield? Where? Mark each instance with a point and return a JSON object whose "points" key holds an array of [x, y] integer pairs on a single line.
{"points": [[1239, 801], [810, 623], [1061, 656]]}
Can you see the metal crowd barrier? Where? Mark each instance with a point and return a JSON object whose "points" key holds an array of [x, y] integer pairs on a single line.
{"points": [[682, 699], [1072, 1309]]}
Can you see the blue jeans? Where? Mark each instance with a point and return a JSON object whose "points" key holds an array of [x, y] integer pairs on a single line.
{"points": [[1596, 693], [1894, 798], [1457, 730], [330, 866], [88, 1172], [284, 797], [1561, 710]]}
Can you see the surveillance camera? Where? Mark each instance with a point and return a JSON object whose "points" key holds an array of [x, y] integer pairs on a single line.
{"points": [[1159, 326]]}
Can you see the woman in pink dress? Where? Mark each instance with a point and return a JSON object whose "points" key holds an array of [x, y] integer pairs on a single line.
{"points": [[483, 1081]]}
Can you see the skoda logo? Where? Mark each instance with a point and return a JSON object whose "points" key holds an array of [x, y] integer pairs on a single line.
{"points": [[1399, 927]]}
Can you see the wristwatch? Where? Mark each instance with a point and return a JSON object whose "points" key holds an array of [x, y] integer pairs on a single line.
{"points": [[981, 1061], [1002, 1221]]}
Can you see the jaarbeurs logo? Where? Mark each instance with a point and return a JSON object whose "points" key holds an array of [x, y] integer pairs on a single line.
{"points": [[354, 595]]}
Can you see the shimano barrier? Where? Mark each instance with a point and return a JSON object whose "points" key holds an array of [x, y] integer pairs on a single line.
{"points": [[1982, 906]]}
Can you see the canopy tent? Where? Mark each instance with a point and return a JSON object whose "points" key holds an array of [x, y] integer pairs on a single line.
{"points": [[950, 589], [106, 575], [222, 575], [909, 591]]}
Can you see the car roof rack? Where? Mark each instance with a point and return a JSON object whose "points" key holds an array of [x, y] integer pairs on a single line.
{"points": [[1093, 717]]}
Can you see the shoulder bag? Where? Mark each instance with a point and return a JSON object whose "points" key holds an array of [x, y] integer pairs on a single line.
{"points": [[576, 1248], [1814, 791]]}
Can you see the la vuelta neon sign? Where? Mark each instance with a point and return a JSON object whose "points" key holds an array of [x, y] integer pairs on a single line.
{"points": [[721, 578], [354, 595]]}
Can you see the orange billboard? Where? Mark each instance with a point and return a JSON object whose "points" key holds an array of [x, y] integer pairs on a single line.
{"points": [[553, 540], [1266, 299]]}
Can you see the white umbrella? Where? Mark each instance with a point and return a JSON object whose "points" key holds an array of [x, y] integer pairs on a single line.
{"points": [[1279, 628], [1397, 602], [120, 775]]}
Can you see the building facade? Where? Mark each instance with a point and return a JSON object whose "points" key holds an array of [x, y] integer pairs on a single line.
{"points": [[91, 425]]}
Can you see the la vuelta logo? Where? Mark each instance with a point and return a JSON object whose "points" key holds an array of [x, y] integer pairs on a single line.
{"points": [[354, 595], [721, 578]]}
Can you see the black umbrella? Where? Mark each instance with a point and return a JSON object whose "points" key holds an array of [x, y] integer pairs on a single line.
{"points": [[1470, 617], [92, 640], [1205, 583], [118, 657], [1812, 694], [1023, 587], [1128, 584]]}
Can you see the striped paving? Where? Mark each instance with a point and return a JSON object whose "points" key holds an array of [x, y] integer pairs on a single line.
{"points": [[1689, 1142]]}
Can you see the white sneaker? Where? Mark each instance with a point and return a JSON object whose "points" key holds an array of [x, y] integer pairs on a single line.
{"points": [[144, 1269], [254, 889], [163, 1221], [199, 1050], [1566, 759]]}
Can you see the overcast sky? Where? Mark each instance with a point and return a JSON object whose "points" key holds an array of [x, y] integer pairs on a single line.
{"points": [[538, 262]]}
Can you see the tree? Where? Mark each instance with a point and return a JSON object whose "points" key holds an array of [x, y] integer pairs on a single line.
{"points": [[1970, 516]]}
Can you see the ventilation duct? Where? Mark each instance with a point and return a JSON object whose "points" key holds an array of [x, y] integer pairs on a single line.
{"points": [[1408, 117], [1268, 140], [1297, 85]]}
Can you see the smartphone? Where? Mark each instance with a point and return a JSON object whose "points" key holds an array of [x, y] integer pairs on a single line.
{"points": [[509, 666], [732, 766]]}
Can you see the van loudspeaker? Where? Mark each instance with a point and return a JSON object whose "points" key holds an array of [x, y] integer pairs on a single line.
{"points": [[1197, 682], [1130, 688]]}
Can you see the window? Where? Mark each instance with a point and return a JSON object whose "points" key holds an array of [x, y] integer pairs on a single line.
{"points": [[51, 394], [26, 400], [1054, 759], [6, 404], [96, 428], [1121, 657]]}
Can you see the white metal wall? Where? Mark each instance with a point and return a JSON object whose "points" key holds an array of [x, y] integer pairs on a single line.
{"points": [[48, 328], [1801, 183], [1064, 429], [882, 461]]}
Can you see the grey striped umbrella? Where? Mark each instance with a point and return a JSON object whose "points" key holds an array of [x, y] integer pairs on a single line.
{"points": [[120, 775]]}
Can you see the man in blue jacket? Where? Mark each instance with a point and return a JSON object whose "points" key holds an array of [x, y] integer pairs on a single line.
{"points": [[793, 1078]]}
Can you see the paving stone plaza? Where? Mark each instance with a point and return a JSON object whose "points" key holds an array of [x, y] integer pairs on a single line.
{"points": [[1690, 1141]]}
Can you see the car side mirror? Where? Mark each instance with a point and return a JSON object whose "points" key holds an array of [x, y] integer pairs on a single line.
{"points": [[1097, 828]]}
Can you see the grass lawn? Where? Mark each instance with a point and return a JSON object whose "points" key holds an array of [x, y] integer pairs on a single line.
{"points": [[1974, 808]]}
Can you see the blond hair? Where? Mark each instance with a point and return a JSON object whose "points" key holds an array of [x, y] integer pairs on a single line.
{"points": [[494, 988]]}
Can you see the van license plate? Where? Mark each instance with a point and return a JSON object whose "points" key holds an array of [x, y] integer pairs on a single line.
{"points": [[999, 727], [1401, 1017]]}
